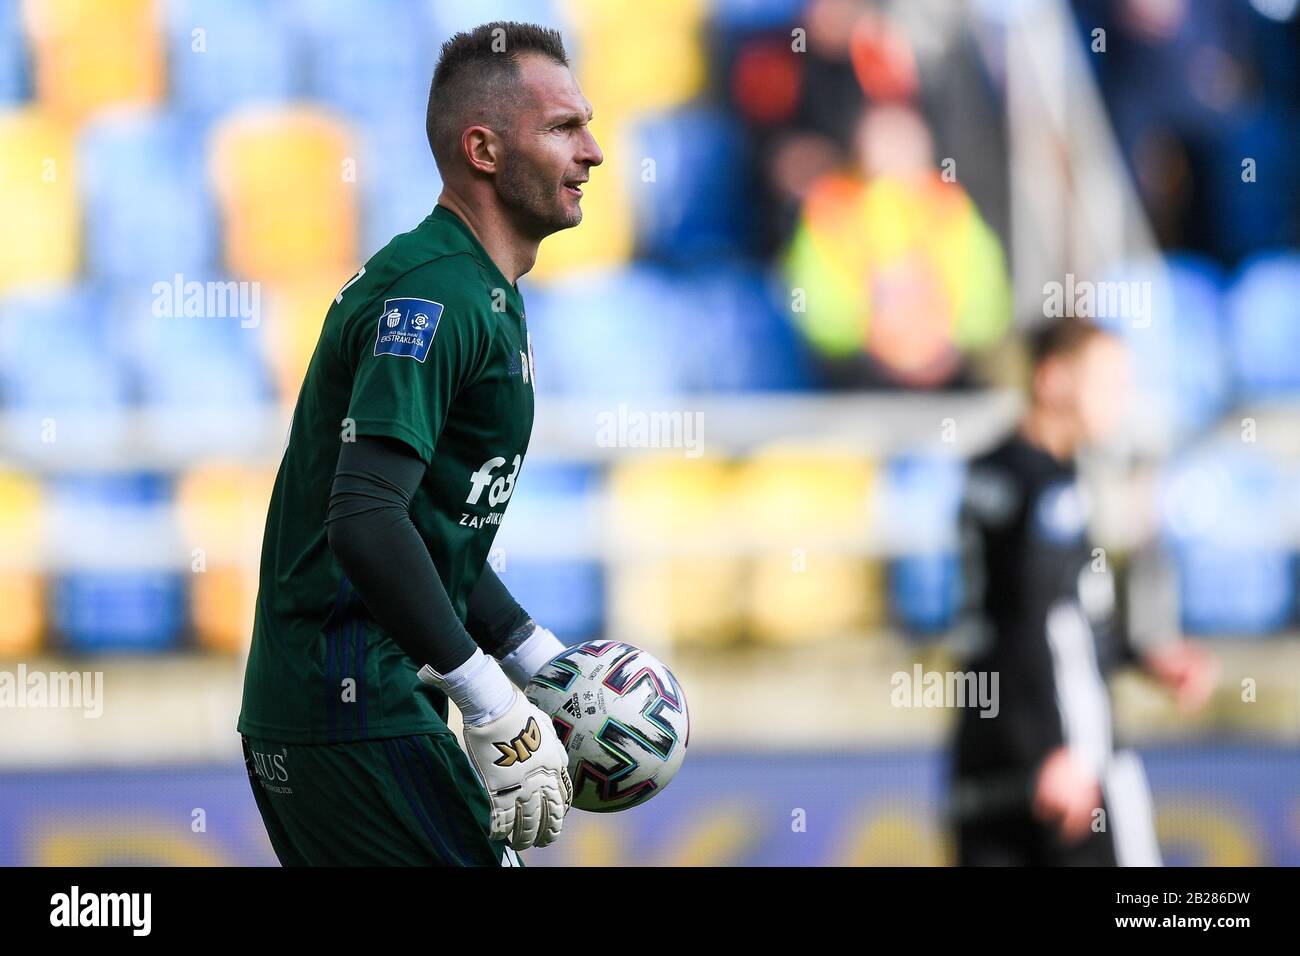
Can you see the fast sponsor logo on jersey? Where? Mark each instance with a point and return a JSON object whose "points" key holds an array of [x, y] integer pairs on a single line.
{"points": [[407, 327], [499, 489]]}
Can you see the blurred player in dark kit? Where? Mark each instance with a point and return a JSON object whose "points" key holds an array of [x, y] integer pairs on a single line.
{"points": [[1041, 783]]}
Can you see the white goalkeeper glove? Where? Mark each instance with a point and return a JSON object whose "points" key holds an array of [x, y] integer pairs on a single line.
{"points": [[513, 748], [530, 655]]}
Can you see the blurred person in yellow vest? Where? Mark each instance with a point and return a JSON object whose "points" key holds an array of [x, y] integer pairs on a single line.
{"points": [[892, 261]]}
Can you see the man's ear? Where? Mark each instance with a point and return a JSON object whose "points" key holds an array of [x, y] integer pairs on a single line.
{"points": [[482, 149]]}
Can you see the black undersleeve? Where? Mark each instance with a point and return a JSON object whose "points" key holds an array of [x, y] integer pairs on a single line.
{"points": [[370, 531]]}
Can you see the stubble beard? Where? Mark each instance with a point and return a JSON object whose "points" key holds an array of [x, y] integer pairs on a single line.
{"points": [[536, 208]]}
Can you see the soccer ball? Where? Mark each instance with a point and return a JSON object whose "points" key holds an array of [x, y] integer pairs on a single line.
{"points": [[621, 715]]}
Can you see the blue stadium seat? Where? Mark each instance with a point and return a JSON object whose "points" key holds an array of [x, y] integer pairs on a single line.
{"points": [[1236, 564], [568, 597], [690, 330], [201, 379], [398, 178], [756, 14], [101, 525], [58, 375], [1244, 221], [700, 329], [1201, 373], [605, 334], [555, 502], [367, 59], [925, 590], [699, 201], [451, 16], [921, 497], [15, 83], [223, 53], [1264, 327], [1179, 350], [739, 338], [119, 610], [148, 213]]}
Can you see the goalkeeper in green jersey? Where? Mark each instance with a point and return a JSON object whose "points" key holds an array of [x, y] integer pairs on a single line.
{"points": [[375, 603]]}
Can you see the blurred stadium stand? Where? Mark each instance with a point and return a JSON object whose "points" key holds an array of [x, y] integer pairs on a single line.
{"points": [[772, 254]]}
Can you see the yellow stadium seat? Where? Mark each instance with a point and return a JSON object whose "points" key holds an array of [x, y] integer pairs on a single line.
{"points": [[793, 598], [23, 622], [791, 496], [806, 509], [634, 56], [296, 313], [661, 504], [286, 186], [21, 524], [683, 600], [21, 591], [706, 599], [88, 54], [223, 512], [40, 228], [621, 50], [662, 499], [221, 606]]}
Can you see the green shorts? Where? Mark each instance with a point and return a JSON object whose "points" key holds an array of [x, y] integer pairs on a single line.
{"points": [[403, 801]]}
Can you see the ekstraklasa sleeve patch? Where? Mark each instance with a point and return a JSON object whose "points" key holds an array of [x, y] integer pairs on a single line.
{"points": [[406, 327]]}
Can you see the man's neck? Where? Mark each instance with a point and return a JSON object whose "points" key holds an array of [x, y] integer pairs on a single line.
{"points": [[512, 253], [1051, 432]]}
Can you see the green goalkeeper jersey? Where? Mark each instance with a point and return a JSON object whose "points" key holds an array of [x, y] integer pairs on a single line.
{"points": [[426, 344]]}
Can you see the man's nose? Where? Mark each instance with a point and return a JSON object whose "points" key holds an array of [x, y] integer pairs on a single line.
{"points": [[591, 153]]}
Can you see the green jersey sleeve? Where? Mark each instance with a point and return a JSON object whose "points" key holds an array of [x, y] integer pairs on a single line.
{"points": [[416, 345]]}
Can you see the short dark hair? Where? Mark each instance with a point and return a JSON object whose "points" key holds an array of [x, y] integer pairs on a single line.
{"points": [[477, 77], [1061, 337]]}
